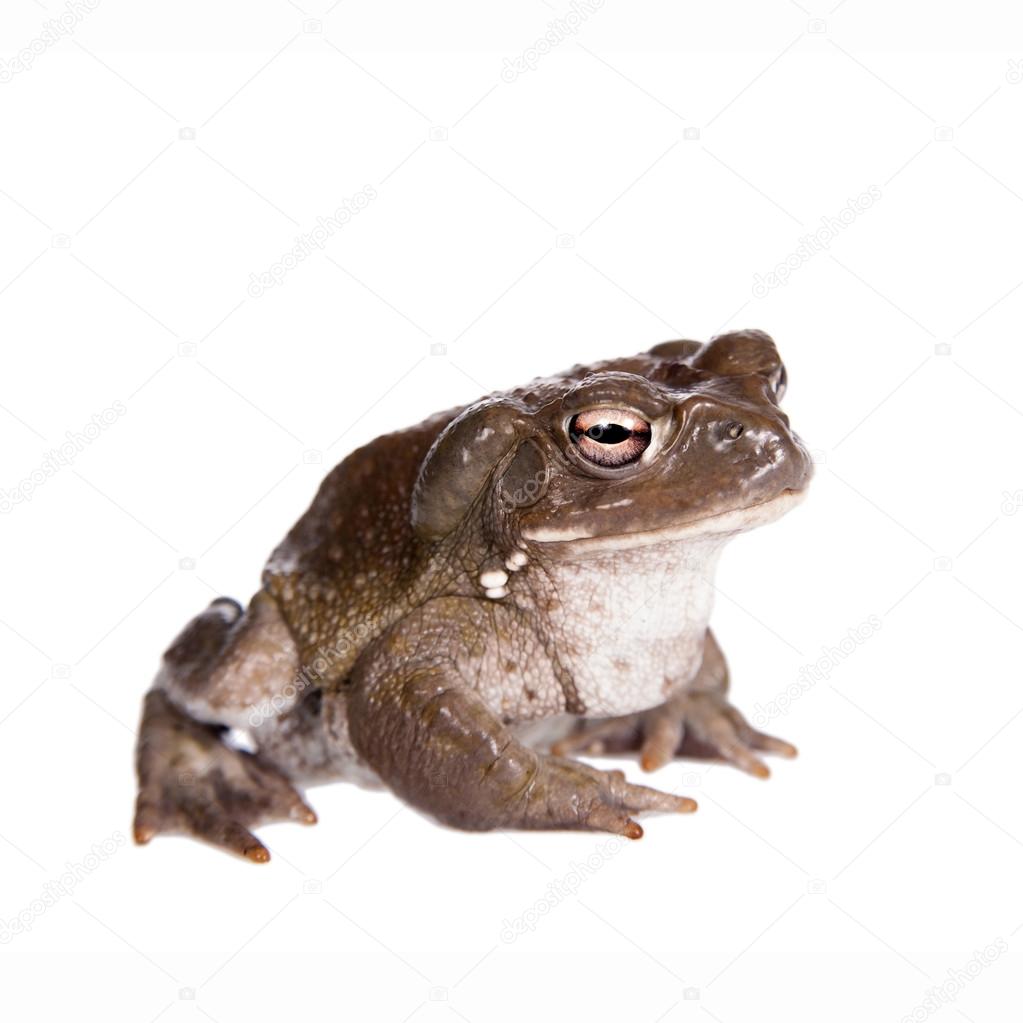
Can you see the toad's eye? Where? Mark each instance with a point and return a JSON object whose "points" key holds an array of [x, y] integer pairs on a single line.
{"points": [[609, 436]]}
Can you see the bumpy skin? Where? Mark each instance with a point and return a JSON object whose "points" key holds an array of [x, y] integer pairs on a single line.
{"points": [[492, 566]]}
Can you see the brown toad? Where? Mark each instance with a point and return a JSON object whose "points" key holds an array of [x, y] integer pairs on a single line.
{"points": [[546, 551]]}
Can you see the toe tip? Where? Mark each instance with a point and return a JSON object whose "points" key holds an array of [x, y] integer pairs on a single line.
{"points": [[632, 830]]}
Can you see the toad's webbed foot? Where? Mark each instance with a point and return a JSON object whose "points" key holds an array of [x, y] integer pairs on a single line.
{"points": [[692, 723], [191, 783]]}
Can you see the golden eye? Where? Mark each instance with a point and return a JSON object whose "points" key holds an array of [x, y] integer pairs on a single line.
{"points": [[609, 436]]}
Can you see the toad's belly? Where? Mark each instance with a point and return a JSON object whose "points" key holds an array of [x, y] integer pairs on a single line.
{"points": [[622, 677], [625, 681]]}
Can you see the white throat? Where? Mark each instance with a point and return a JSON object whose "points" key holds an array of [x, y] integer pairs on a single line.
{"points": [[633, 621]]}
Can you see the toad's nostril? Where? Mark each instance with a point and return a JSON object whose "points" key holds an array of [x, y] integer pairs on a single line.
{"points": [[734, 431]]}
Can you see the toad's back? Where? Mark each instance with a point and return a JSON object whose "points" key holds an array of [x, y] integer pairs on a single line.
{"points": [[341, 574]]}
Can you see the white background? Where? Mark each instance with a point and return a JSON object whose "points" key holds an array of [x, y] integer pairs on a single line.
{"points": [[626, 190]]}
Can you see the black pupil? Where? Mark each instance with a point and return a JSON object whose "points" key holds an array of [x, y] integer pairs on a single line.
{"points": [[609, 433]]}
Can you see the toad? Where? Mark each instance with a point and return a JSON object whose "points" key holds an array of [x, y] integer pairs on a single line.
{"points": [[546, 554]]}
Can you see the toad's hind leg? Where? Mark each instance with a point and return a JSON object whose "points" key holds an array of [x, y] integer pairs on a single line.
{"points": [[191, 782]]}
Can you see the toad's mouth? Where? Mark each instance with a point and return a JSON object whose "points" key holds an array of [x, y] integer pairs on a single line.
{"points": [[736, 520]]}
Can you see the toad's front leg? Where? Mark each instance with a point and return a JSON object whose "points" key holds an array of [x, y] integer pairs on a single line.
{"points": [[437, 745], [698, 721]]}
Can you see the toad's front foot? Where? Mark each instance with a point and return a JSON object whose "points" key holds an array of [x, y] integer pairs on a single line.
{"points": [[191, 783], [698, 724], [567, 794]]}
